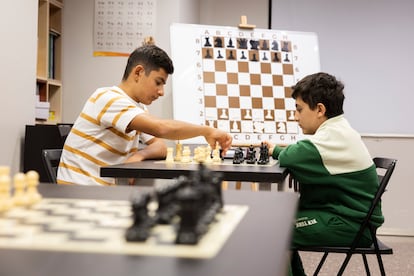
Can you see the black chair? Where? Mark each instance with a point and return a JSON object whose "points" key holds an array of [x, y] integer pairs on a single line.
{"points": [[385, 168], [51, 159]]}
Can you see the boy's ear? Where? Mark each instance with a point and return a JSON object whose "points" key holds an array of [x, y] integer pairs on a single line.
{"points": [[320, 107], [139, 69]]}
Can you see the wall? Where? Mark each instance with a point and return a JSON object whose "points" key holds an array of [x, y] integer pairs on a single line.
{"points": [[18, 32], [397, 203], [83, 73], [369, 45]]}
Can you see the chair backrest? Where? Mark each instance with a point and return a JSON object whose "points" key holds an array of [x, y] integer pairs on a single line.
{"points": [[51, 159], [385, 168]]}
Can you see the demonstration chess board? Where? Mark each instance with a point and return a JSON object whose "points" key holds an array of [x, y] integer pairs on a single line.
{"points": [[98, 226], [240, 80]]}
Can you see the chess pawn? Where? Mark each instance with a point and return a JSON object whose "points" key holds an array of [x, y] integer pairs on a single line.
{"points": [[32, 180], [178, 152], [208, 158], [216, 155], [5, 170], [5, 199], [170, 157], [185, 158], [19, 183]]}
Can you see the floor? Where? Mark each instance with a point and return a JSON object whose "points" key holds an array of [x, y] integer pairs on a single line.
{"points": [[401, 263]]}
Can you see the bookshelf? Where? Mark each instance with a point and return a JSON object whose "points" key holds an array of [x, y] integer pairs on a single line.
{"points": [[49, 53]]}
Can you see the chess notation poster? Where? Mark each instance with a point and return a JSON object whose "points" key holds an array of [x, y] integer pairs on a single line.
{"points": [[120, 26], [240, 80]]}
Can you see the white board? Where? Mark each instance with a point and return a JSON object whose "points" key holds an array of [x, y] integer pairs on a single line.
{"points": [[239, 80]]}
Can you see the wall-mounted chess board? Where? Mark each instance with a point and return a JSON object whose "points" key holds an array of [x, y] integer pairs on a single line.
{"points": [[98, 226], [239, 80]]}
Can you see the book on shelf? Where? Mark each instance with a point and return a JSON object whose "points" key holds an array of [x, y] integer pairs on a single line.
{"points": [[52, 54]]}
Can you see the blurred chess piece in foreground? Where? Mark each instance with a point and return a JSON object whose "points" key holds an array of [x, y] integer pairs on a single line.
{"points": [[5, 199], [19, 184], [32, 180]]}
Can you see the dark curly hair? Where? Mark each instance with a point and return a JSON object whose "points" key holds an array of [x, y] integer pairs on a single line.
{"points": [[321, 88]]}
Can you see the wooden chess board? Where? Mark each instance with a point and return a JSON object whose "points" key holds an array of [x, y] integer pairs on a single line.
{"points": [[240, 80], [98, 226]]}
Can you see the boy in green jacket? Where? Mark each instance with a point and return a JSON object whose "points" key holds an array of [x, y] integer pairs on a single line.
{"points": [[337, 177]]}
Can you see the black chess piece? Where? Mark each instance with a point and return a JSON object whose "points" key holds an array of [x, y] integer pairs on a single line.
{"points": [[264, 57], [254, 44], [251, 155], [243, 56], [242, 43], [285, 47], [208, 55], [276, 57], [275, 45], [265, 45], [286, 58], [142, 223], [207, 43], [219, 54], [238, 156], [264, 154], [231, 56], [254, 58], [167, 202], [189, 230], [230, 44], [218, 42]]}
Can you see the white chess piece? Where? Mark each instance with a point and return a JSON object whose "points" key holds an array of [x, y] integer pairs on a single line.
{"points": [[223, 114], [32, 181], [269, 114], [216, 155], [5, 199], [186, 155], [19, 183], [281, 127], [247, 116], [170, 156], [178, 152], [235, 127]]}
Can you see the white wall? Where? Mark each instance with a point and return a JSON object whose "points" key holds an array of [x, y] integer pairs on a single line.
{"points": [[18, 32], [367, 44], [83, 73], [228, 12], [397, 204]]}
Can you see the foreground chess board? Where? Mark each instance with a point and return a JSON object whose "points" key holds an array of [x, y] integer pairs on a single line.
{"points": [[98, 226]]}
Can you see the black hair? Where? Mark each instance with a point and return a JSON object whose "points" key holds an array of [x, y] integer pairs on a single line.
{"points": [[151, 58], [321, 88]]}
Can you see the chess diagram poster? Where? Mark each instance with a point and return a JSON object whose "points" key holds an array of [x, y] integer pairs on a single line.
{"points": [[240, 80], [121, 26]]}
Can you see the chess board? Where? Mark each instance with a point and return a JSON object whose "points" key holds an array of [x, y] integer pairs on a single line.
{"points": [[240, 80], [98, 226]]}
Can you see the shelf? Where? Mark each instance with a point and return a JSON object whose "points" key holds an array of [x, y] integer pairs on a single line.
{"points": [[48, 75]]}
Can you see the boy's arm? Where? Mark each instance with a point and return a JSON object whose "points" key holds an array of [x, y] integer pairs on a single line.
{"points": [[179, 130], [154, 149]]}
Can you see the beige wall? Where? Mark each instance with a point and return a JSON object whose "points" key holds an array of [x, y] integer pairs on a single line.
{"points": [[18, 32]]}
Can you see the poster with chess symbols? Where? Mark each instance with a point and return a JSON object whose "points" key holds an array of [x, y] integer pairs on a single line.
{"points": [[121, 26], [239, 80]]}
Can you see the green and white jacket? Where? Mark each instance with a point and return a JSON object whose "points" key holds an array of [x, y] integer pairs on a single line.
{"points": [[335, 171]]}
